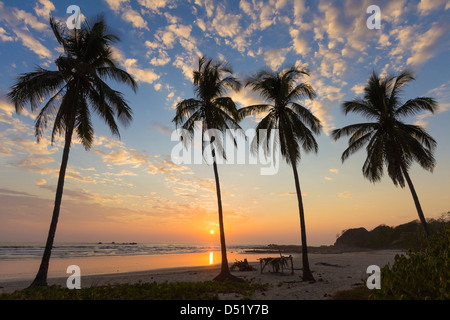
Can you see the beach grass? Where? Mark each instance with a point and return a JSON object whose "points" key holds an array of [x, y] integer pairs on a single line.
{"points": [[206, 290], [357, 293]]}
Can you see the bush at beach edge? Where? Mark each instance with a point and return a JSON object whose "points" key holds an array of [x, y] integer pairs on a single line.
{"points": [[422, 274]]}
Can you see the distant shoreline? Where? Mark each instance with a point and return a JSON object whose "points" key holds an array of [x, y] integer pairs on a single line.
{"points": [[285, 249]]}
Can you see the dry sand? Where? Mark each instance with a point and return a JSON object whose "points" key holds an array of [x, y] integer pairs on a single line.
{"points": [[333, 272]]}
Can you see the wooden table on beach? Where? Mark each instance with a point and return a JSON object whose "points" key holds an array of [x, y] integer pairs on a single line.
{"points": [[276, 263]]}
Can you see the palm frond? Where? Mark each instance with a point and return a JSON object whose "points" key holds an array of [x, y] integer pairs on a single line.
{"points": [[355, 145], [373, 165], [306, 116], [83, 125], [118, 75], [31, 88], [414, 106], [108, 104], [303, 90], [48, 110], [184, 109], [360, 106], [353, 129], [254, 110]]}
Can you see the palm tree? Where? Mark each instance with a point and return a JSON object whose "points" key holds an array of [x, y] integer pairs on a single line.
{"points": [[390, 142], [295, 124], [75, 89], [214, 111]]}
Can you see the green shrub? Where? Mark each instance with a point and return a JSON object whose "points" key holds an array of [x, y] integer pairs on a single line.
{"points": [[420, 274]]}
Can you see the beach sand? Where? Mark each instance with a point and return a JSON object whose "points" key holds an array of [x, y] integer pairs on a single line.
{"points": [[333, 272]]}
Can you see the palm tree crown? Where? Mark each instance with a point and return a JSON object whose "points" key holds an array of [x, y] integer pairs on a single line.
{"points": [[77, 85], [295, 123], [390, 142], [211, 81]]}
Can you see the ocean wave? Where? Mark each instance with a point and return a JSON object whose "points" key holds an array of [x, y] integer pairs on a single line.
{"points": [[69, 250]]}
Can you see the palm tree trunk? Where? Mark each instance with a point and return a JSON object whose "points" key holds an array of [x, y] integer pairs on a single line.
{"points": [[224, 270], [307, 274], [41, 277], [416, 201]]}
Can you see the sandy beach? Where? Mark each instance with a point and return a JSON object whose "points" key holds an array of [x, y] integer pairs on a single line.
{"points": [[333, 272]]}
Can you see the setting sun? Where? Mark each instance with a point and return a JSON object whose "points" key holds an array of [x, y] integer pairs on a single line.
{"points": [[212, 232]]}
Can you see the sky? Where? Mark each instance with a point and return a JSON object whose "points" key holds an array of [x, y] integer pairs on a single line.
{"points": [[129, 189]]}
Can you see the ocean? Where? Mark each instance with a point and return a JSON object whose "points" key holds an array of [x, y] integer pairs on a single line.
{"points": [[21, 260], [20, 251]]}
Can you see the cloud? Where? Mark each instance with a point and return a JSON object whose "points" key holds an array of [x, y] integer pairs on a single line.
{"points": [[187, 64], [40, 182], [166, 130], [414, 45], [156, 5], [120, 155], [166, 166], [14, 193], [121, 173], [34, 160], [83, 195], [4, 36], [43, 8], [116, 5], [135, 18], [34, 45], [274, 58], [21, 22], [162, 59], [442, 95], [131, 66], [425, 45], [426, 6], [358, 89], [128, 13], [165, 39], [245, 97], [208, 5], [393, 10], [143, 75], [28, 19], [287, 194], [344, 195], [334, 170], [300, 44], [225, 24], [7, 110], [123, 157], [300, 10]]}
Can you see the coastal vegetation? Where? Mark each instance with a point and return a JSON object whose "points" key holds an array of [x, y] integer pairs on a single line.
{"points": [[405, 236], [206, 290], [423, 273]]}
